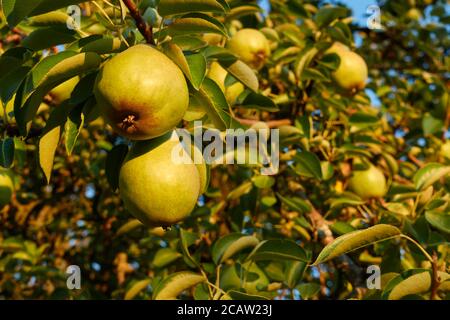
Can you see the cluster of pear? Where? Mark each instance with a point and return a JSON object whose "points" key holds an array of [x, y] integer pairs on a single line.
{"points": [[143, 95]]}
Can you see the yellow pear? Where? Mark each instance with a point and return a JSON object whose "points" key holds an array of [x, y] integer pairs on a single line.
{"points": [[352, 72], [414, 14], [251, 46], [141, 93], [159, 186]]}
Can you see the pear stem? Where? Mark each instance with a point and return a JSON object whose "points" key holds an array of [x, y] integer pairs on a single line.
{"points": [[145, 29]]}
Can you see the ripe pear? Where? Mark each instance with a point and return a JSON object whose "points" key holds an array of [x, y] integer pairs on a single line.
{"points": [[218, 75], [232, 279], [63, 91], [352, 72], [414, 14], [156, 188], [370, 183], [6, 187], [251, 46], [141, 93]]}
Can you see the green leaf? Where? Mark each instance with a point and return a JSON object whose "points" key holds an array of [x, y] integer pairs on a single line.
{"points": [[304, 59], [44, 38], [263, 182], [104, 46], [278, 250], [113, 163], [308, 164], [295, 203], [341, 227], [214, 103], [259, 101], [197, 67], [241, 11], [237, 295], [136, 288], [346, 198], [308, 290], [7, 148], [173, 7], [175, 284], [439, 220], [314, 74], [128, 226], [429, 174], [46, 75], [416, 284], [242, 73], [17, 10], [356, 240], [229, 245], [73, 128], [195, 24], [241, 190], [164, 257], [187, 239], [294, 272], [360, 118], [328, 14], [193, 66], [54, 18], [49, 140], [431, 125]]}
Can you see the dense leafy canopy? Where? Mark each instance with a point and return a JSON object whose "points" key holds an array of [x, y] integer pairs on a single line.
{"points": [[306, 231]]}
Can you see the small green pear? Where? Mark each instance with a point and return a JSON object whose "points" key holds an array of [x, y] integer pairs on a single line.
{"points": [[159, 186], [141, 93], [6, 187], [251, 46], [352, 72], [370, 183]]}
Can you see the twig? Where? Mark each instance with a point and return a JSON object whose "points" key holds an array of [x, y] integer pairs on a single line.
{"points": [[145, 29], [434, 277]]}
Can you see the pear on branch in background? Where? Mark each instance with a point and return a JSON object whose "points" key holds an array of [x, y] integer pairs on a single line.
{"points": [[368, 183], [352, 72], [251, 46]]}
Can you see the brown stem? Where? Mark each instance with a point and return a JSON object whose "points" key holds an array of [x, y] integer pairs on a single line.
{"points": [[145, 29], [435, 278]]}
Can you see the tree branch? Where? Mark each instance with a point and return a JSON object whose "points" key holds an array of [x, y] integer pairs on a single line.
{"points": [[145, 29]]}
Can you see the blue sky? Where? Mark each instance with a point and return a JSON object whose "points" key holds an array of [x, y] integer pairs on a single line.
{"points": [[359, 8]]}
